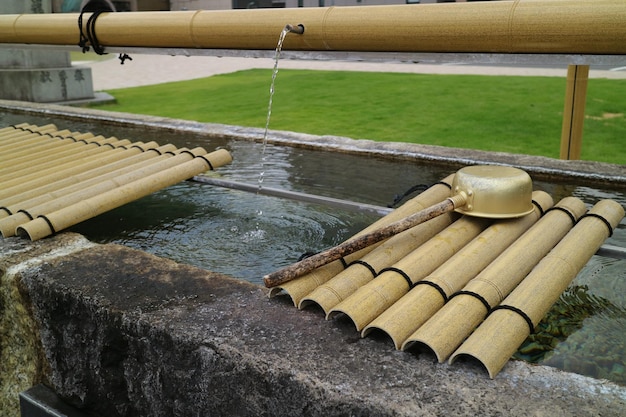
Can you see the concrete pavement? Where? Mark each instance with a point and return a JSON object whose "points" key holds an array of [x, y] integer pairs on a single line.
{"points": [[155, 69]]}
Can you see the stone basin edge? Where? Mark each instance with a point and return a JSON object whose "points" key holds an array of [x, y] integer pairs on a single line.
{"points": [[590, 173], [118, 332]]}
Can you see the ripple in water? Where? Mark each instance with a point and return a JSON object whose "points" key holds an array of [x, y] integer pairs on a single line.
{"points": [[219, 229]]}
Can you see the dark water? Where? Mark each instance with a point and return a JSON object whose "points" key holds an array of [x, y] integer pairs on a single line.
{"points": [[248, 235]]}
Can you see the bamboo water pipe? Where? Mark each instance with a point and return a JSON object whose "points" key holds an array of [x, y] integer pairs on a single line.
{"points": [[527, 26], [49, 223], [406, 315], [392, 283], [450, 325], [499, 336], [302, 286]]}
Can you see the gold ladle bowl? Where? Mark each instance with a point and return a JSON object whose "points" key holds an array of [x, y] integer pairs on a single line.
{"points": [[493, 191]]}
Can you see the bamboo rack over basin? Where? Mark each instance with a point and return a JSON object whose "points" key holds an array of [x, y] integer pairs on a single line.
{"points": [[521, 26], [433, 295], [55, 179]]}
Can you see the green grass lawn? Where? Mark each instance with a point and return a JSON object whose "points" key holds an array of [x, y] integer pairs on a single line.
{"points": [[494, 113]]}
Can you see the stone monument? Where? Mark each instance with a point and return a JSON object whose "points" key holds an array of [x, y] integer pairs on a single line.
{"points": [[43, 76]]}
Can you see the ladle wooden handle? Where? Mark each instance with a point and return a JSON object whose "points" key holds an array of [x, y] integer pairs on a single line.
{"points": [[359, 242]]}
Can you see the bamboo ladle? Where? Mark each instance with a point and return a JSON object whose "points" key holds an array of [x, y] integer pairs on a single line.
{"points": [[496, 192]]}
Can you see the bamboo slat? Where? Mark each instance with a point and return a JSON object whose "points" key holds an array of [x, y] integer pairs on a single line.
{"points": [[60, 177]]}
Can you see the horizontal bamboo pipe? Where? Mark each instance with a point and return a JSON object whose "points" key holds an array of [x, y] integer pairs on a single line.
{"points": [[499, 336], [456, 320], [61, 219], [528, 26], [302, 286], [406, 315]]}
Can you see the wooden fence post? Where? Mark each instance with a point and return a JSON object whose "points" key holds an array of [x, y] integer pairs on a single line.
{"points": [[574, 111]]}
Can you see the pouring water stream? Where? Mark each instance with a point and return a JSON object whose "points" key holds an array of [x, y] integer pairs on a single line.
{"points": [[279, 48]]}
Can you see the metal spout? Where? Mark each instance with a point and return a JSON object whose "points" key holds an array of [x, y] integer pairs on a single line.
{"points": [[299, 29]]}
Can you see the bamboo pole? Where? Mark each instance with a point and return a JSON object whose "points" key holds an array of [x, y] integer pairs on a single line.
{"points": [[406, 315], [302, 286], [574, 111], [68, 216], [23, 211], [529, 26], [19, 139], [59, 184], [12, 128], [10, 139], [370, 300], [450, 325], [499, 336], [40, 204], [44, 163], [18, 155], [25, 140], [117, 150], [479, 190], [50, 150], [364, 240], [362, 271]]}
